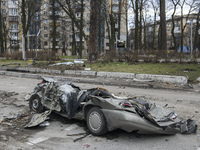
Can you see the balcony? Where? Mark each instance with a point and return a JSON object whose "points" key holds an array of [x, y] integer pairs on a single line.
{"points": [[177, 30], [13, 30], [14, 43], [13, 19], [14, 38]]}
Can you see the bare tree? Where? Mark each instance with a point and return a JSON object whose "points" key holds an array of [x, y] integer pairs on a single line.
{"points": [[126, 10], [112, 25], [92, 51], [27, 13], [181, 4], [67, 6], [197, 36], [163, 36], [155, 9], [175, 4], [54, 17], [1, 31]]}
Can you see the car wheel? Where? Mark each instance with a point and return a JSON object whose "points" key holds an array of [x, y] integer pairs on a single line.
{"points": [[96, 121], [35, 104]]}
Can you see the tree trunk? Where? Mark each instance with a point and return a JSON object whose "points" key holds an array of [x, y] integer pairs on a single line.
{"points": [[196, 37], [154, 32], [1, 31], [81, 32], [140, 27], [127, 34], [73, 39], [136, 30], [92, 52], [136, 25], [119, 19], [163, 29]]}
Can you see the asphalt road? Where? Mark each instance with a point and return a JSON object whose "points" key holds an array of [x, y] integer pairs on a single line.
{"points": [[58, 135]]}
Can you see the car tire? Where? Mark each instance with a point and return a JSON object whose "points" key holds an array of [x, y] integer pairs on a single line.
{"points": [[35, 104], [96, 121]]}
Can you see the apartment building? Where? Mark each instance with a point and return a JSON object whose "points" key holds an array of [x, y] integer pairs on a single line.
{"points": [[11, 27], [42, 27], [150, 27]]}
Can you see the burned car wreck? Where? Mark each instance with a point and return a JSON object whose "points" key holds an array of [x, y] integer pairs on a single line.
{"points": [[103, 111]]}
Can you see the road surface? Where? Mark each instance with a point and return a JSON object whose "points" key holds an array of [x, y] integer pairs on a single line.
{"points": [[58, 135]]}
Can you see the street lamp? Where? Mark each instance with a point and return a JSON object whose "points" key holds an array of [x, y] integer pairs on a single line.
{"points": [[116, 33], [191, 43]]}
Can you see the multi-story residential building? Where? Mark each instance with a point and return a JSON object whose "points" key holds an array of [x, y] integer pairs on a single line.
{"points": [[44, 34], [152, 29], [10, 17]]}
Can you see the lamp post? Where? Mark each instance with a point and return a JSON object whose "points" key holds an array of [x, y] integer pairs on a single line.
{"points": [[23, 48], [116, 33], [191, 41], [191, 44]]}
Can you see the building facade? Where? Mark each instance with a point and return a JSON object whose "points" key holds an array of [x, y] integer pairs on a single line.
{"points": [[51, 27], [173, 40]]}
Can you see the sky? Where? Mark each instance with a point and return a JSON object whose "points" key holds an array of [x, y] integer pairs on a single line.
{"points": [[169, 11]]}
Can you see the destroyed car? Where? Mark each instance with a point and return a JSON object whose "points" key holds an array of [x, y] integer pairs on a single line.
{"points": [[103, 111]]}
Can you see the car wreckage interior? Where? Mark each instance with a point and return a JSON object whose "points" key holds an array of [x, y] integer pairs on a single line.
{"points": [[103, 111]]}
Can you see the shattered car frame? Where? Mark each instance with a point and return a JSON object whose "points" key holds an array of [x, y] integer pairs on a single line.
{"points": [[103, 111]]}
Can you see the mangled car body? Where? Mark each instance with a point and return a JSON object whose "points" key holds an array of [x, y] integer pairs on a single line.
{"points": [[104, 111]]}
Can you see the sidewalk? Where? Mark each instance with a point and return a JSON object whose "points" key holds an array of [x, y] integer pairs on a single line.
{"points": [[94, 77]]}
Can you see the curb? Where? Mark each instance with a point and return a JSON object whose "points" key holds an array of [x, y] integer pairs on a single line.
{"points": [[93, 75]]}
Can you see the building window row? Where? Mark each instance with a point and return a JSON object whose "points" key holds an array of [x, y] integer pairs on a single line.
{"points": [[13, 11]]}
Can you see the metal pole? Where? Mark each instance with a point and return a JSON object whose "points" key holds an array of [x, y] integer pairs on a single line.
{"points": [[116, 42], [191, 39], [23, 47]]}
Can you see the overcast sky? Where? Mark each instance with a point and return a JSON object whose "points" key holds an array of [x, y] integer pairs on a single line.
{"points": [[150, 13]]}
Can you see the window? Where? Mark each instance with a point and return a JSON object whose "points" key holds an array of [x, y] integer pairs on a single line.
{"points": [[88, 14], [115, 7], [14, 26], [45, 5], [56, 4], [107, 44], [13, 18], [88, 29], [57, 13], [78, 14], [45, 20], [3, 11], [45, 28], [116, 1], [88, 7], [45, 13], [12, 34], [13, 11], [14, 42], [45, 43], [45, 35], [13, 3], [3, 3], [87, 22]]}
